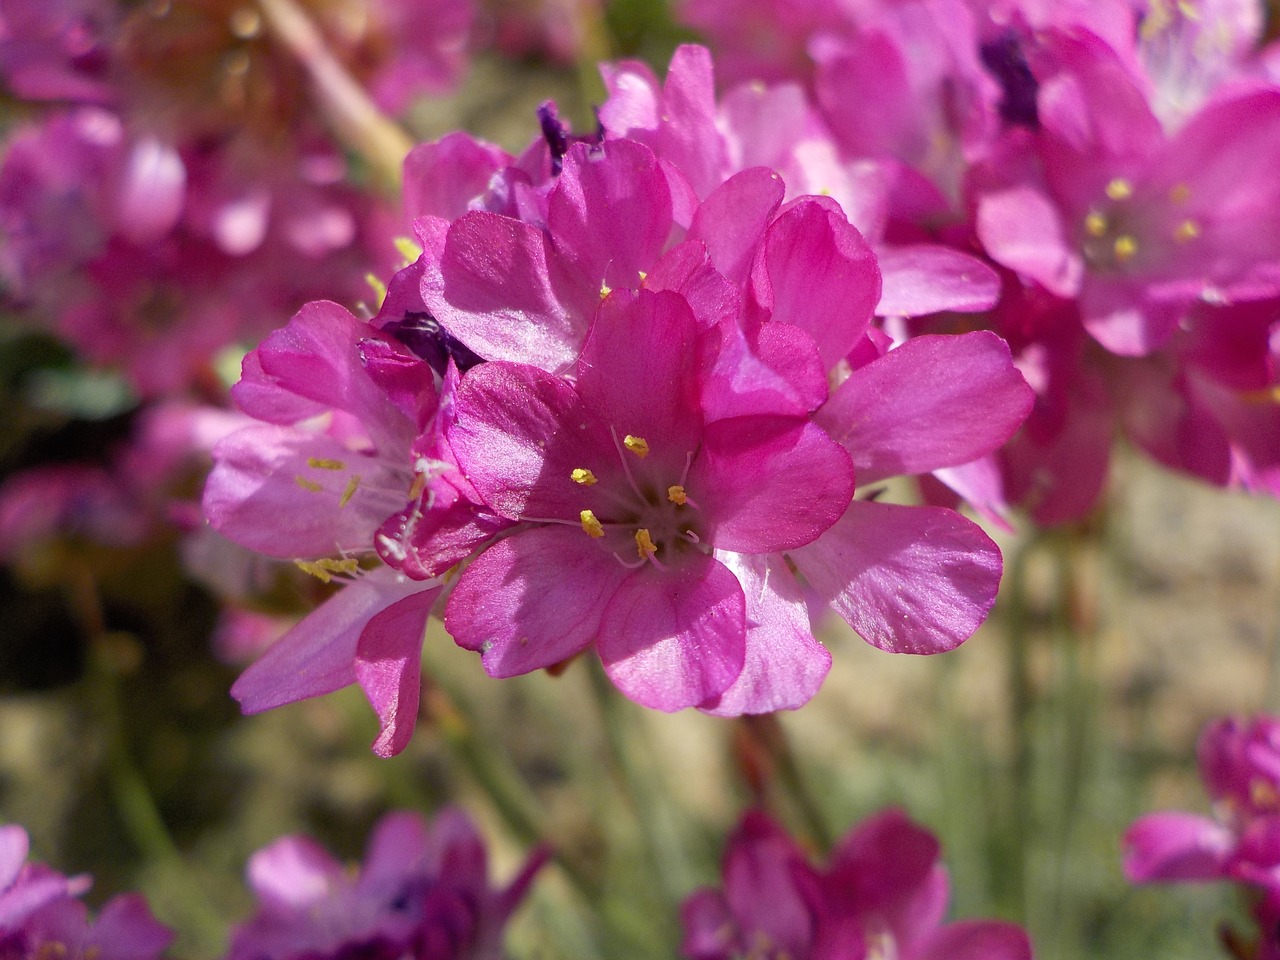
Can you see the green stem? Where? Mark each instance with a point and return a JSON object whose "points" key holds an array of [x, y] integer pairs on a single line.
{"points": [[1021, 702], [767, 732], [356, 119]]}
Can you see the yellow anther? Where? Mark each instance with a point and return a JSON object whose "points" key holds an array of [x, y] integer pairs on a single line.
{"points": [[353, 484], [676, 495], [246, 23], [308, 485], [1179, 193], [1186, 230], [583, 476], [637, 445], [377, 286], [320, 464], [590, 525], [644, 275], [605, 290], [1125, 247], [408, 249], [326, 568], [1263, 794], [1119, 189], [1095, 224], [1189, 11], [644, 545]]}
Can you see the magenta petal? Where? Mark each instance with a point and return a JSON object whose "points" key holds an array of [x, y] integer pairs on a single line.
{"points": [[772, 483], [533, 599], [1021, 228], [494, 293], [1175, 846], [732, 220], [441, 178], [780, 374], [907, 579], [816, 272], [709, 927], [388, 667], [293, 872], [928, 278], [784, 665], [686, 269], [127, 930], [978, 940], [935, 401], [14, 847], [610, 213], [760, 868], [318, 655], [675, 639]]}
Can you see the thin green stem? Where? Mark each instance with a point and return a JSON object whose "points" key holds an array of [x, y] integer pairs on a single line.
{"points": [[356, 119], [767, 732], [1021, 702]]}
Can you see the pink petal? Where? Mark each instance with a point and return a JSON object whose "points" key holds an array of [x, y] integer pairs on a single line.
{"points": [[935, 401], [733, 219], [978, 940], [675, 639], [127, 930], [816, 272], [388, 667], [1020, 227], [771, 483], [533, 599], [495, 293], [610, 213], [293, 873], [1175, 846], [151, 193], [928, 278], [318, 655], [784, 665], [397, 847], [780, 373], [14, 846], [441, 178], [907, 579]]}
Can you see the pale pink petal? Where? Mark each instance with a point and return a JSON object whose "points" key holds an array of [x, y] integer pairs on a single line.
{"points": [[388, 667], [318, 655], [533, 599], [784, 665], [675, 639], [732, 220], [125, 929], [293, 872], [928, 278], [935, 401], [1176, 846], [907, 579], [442, 178], [978, 940]]}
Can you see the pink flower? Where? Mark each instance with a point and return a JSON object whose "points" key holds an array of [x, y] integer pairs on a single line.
{"points": [[884, 893], [40, 915], [422, 890]]}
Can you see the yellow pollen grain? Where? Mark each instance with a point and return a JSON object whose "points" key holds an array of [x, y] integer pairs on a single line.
{"points": [[320, 464], [644, 275], [1186, 230], [1095, 224], [590, 525], [1119, 189], [305, 484], [1179, 193], [324, 569], [353, 485], [1125, 248], [605, 290], [246, 23], [583, 476], [676, 494], [637, 445], [644, 544]]}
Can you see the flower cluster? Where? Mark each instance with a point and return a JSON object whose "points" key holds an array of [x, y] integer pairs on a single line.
{"points": [[883, 894], [1240, 767], [635, 393], [40, 915], [1113, 161]]}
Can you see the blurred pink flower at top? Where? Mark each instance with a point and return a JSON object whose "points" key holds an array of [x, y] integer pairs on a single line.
{"points": [[40, 915], [883, 894], [58, 49], [422, 891]]}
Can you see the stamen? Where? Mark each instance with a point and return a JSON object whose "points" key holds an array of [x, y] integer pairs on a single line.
{"points": [[1125, 247], [644, 544], [352, 485], [408, 249], [305, 484], [1119, 189], [691, 536], [590, 525], [379, 288], [676, 495], [605, 290], [325, 569], [1095, 224], [320, 464], [637, 445], [583, 476], [1186, 230], [626, 467]]}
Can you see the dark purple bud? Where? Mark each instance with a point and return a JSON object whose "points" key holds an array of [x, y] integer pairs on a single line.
{"points": [[422, 334], [1004, 60]]}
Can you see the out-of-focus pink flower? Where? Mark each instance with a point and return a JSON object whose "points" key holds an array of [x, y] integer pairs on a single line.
{"points": [[422, 890], [40, 915], [883, 893]]}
